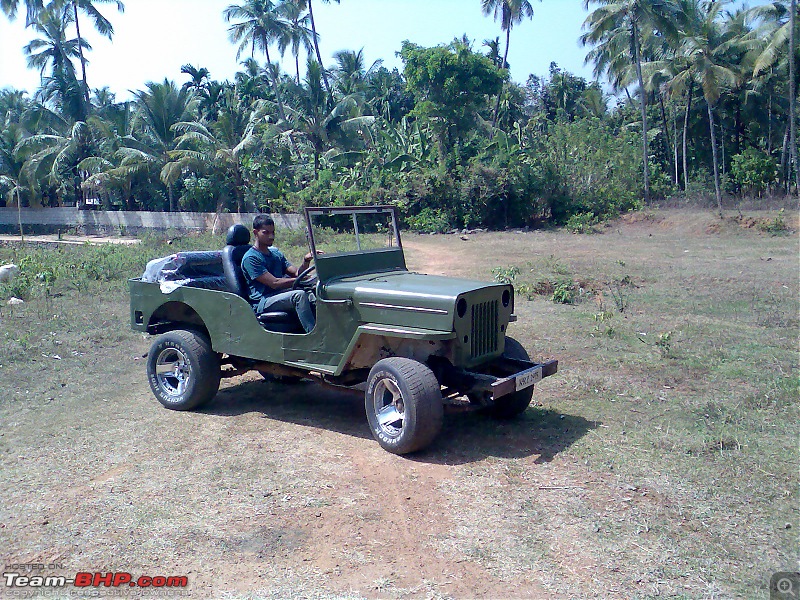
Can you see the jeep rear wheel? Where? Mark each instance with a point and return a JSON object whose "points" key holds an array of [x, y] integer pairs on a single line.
{"points": [[404, 405], [183, 370], [508, 407]]}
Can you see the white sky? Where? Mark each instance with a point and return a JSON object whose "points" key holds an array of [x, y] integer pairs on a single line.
{"points": [[153, 38]]}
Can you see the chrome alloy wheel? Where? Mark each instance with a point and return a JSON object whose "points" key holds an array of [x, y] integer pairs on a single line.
{"points": [[389, 407], [173, 372]]}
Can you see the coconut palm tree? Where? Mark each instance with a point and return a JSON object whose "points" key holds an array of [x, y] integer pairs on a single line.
{"points": [[219, 147], [351, 74], [616, 30], [258, 26], [297, 34], [307, 5], [778, 37], [33, 7], [198, 77], [706, 51], [52, 158], [101, 24], [320, 127], [53, 49], [159, 108], [510, 13]]}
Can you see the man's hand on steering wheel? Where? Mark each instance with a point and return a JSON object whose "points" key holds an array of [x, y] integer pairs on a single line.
{"points": [[302, 279]]}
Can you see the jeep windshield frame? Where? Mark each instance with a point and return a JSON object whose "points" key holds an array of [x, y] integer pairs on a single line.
{"points": [[367, 240]]}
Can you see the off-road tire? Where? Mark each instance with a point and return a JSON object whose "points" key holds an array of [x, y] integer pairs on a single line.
{"points": [[183, 370], [512, 405], [408, 390]]}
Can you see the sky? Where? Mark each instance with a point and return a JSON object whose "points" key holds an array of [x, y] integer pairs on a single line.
{"points": [[154, 38]]}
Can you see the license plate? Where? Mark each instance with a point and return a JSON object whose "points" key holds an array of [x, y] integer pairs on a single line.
{"points": [[528, 378]]}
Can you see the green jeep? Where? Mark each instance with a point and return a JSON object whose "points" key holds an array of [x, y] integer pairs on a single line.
{"points": [[414, 343]]}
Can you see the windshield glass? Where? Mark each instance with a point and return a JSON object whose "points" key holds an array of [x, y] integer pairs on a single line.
{"points": [[350, 230]]}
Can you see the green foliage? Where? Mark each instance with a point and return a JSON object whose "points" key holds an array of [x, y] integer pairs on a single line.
{"points": [[774, 226], [505, 274], [581, 223], [564, 292], [753, 171], [429, 220], [594, 169]]}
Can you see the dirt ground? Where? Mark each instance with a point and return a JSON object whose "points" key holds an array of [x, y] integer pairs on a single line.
{"points": [[277, 491]]}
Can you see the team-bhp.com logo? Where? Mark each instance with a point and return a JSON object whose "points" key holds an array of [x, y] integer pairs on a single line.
{"points": [[94, 580]]}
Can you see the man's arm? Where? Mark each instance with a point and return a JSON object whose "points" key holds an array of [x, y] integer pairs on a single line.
{"points": [[295, 271], [252, 264], [276, 283]]}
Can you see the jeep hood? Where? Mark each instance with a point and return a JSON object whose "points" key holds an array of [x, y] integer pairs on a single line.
{"points": [[402, 287], [411, 299]]}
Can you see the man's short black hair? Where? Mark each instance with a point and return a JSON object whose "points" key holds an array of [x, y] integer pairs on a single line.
{"points": [[262, 221]]}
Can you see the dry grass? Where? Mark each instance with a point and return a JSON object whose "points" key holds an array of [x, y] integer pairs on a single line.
{"points": [[660, 461]]}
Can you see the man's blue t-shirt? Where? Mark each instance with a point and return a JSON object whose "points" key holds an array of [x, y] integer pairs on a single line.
{"points": [[255, 263]]}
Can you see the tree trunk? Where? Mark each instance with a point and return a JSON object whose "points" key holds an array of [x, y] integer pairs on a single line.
{"points": [[685, 135], [792, 127], [503, 85], [80, 51], [171, 196], [643, 95], [769, 124], [665, 127], [19, 214], [716, 162], [675, 146], [274, 80], [319, 56], [784, 152]]}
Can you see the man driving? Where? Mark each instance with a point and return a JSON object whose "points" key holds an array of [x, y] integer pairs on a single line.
{"points": [[270, 276]]}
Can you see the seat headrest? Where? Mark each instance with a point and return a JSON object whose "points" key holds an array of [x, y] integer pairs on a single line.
{"points": [[238, 235]]}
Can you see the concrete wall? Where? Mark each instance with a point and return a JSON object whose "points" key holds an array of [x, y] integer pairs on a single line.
{"points": [[93, 222]]}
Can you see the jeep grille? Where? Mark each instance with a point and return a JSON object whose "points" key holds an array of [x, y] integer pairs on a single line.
{"points": [[484, 328]]}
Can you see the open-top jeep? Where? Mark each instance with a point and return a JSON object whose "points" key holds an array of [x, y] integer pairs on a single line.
{"points": [[419, 342]]}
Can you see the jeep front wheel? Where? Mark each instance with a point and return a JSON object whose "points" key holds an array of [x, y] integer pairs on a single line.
{"points": [[183, 370], [404, 405]]}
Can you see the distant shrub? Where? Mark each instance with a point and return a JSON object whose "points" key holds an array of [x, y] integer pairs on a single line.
{"points": [[753, 171]]}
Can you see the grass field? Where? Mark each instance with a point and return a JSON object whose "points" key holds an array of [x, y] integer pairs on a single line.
{"points": [[661, 461]]}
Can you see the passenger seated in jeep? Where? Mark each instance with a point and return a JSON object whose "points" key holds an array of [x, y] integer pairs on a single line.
{"points": [[270, 276]]}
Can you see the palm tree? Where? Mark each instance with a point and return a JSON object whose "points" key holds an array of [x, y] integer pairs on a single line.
{"points": [[198, 77], [11, 165], [159, 108], [510, 12], [779, 45], [258, 26], [220, 147], [494, 51], [101, 24], [705, 50], [351, 76], [616, 29], [306, 5], [319, 126], [297, 34], [52, 157], [33, 8], [53, 49]]}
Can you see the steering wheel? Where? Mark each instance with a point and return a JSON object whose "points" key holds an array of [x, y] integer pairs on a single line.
{"points": [[303, 281]]}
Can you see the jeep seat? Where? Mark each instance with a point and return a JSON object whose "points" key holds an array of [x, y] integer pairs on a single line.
{"points": [[237, 243]]}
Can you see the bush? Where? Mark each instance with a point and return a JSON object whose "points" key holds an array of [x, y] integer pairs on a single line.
{"points": [[753, 171]]}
